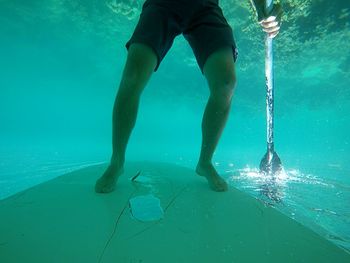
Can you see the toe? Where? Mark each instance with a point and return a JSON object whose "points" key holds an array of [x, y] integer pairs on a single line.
{"points": [[108, 189], [98, 187], [223, 186]]}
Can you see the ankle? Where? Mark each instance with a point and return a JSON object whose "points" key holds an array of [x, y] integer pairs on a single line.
{"points": [[115, 161], [204, 163]]}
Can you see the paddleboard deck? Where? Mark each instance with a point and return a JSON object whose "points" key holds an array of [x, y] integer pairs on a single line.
{"points": [[64, 220]]}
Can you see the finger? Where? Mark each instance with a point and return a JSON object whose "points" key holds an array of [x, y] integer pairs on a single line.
{"points": [[275, 14], [269, 19], [273, 35], [269, 24], [271, 30]]}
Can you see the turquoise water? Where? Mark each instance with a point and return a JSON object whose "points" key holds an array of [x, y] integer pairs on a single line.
{"points": [[61, 63]]}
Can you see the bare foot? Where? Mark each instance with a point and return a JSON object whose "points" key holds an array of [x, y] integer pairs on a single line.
{"points": [[106, 183], [216, 182]]}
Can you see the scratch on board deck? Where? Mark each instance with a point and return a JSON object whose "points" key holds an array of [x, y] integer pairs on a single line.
{"points": [[115, 226]]}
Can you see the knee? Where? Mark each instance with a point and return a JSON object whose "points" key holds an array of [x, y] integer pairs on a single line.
{"points": [[222, 89], [138, 69], [229, 82], [140, 63], [133, 82]]}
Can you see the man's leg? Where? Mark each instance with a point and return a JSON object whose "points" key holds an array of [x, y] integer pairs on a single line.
{"points": [[219, 71], [140, 64]]}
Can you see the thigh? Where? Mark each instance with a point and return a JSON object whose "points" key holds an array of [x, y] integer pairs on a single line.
{"points": [[157, 27], [208, 32]]}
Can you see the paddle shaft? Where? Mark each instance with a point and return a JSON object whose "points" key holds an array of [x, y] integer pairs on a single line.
{"points": [[269, 86]]}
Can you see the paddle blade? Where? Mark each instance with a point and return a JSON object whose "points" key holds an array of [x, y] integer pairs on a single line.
{"points": [[270, 165]]}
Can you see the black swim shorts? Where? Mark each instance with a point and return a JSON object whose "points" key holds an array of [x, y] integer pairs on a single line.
{"points": [[201, 22]]}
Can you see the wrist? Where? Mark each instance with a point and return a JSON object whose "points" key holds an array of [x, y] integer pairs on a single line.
{"points": [[259, 6]]}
